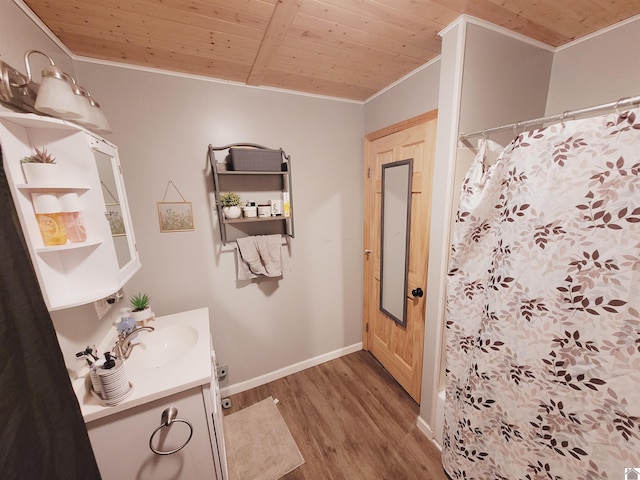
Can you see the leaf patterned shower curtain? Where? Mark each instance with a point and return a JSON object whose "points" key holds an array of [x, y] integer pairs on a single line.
{"points": [[543, 308]]}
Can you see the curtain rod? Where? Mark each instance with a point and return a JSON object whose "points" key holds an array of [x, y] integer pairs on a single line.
{"points": [[623, 102]]}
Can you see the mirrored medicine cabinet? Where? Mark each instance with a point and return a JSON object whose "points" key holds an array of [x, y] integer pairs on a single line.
{"points": [[72, 274]]}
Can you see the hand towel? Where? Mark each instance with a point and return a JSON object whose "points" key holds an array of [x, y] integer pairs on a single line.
{"points": [[259, 255]]}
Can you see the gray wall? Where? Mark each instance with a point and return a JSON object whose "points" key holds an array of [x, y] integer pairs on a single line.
{"points": [[413, 96], [600, 69], [504, 80], [18, 34], [162, 125]]}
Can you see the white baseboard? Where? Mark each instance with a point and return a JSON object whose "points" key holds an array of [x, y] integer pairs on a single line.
{"points": [[283, 372], [427, 431]]}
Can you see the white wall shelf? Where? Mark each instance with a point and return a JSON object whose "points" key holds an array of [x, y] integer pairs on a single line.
{"points": [[74, 273]]}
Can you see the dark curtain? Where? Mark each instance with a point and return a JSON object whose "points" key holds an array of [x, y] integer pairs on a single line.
{"points": [[42, 433]]}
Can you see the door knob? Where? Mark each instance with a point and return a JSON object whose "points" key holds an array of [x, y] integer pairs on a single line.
{"points": [[417, 292]]}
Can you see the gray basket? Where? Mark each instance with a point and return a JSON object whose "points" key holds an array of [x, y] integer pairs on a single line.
{"points": [[254, 160]]}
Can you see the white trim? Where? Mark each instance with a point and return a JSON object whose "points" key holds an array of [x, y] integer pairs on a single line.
{"points": [[283, 372], [597, 33], [459, 21], [402, 79], [425, 428], [446, 227], [469, 19], [427, 431]]}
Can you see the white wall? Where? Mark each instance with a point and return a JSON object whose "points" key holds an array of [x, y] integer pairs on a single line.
{"points": [[162, 125], [600, 69]]}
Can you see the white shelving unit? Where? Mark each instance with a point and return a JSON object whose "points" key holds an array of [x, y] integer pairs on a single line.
{"points": [[75, 273]]}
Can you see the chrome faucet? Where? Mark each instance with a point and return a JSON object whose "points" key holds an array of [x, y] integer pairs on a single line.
{"points": [[123, 345]]}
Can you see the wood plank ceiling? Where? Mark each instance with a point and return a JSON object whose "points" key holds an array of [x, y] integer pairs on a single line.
{"points": [[342, 48]]}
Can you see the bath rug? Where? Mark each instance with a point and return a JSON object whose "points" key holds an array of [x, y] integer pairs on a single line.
{"points": [[259, 444]]}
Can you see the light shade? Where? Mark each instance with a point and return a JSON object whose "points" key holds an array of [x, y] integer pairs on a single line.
{"points": [[93, 118], [55, 96], [85, 108], [98, 117]]}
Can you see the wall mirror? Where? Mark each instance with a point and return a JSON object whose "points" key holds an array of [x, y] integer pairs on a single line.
{"points": [[394, 242], [116, 209]]}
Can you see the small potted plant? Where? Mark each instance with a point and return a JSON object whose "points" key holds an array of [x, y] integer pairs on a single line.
{"points": [[140, 308], [230, 203], [40, 167]]}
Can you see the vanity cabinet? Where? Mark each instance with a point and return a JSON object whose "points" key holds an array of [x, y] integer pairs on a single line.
{"points": [[184, 379], [256, 186], [121, 441], [72, 274]]}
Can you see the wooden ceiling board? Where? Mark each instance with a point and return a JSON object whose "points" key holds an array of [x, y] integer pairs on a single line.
{"points": [[369, 79], [385, 22], [342, 48], [104, 18], [279, 24], [173, 61], [318, 86], [328, 33], [354, 63]]}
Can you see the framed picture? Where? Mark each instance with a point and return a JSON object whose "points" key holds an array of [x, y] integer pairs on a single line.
{"points": [[114, 216], [175, 217]]}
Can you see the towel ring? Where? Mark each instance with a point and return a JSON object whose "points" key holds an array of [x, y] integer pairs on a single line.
{"points": [[168, 417]]}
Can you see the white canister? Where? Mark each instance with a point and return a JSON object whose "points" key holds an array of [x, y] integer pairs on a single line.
{"points": [[250, 212], [276, 208], [264, 210], [72, 217]]}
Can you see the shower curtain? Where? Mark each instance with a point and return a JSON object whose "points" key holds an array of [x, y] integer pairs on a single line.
{"points": [[543, 308], [42, 433]]}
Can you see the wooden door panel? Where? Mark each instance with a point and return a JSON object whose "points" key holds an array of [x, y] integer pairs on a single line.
{"points": [[398, 348]]}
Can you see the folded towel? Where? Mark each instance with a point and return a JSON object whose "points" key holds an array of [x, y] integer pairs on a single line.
{"points": [[259, 255]]}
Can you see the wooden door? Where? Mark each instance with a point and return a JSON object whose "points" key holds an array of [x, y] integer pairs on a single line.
{"points": [[399, 349]]}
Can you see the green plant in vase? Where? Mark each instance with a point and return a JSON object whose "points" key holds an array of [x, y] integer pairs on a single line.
{"points": [[140, 308], [40, 167], [139, 302], [230, 203], [41, 156]]}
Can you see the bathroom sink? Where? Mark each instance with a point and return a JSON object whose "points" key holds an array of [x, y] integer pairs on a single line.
{"points": [[162, 346]]}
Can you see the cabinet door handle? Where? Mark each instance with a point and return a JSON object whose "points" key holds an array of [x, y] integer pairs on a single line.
{"points": [[169, 416]]}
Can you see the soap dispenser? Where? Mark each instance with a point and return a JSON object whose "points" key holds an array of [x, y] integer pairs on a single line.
{"points": [[127, 323]]}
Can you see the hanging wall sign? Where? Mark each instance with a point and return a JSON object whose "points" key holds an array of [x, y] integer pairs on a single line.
{"points": [[175, 216]]}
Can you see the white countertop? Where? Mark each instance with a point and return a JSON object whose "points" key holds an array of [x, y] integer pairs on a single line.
{"points": [[190, 370]]}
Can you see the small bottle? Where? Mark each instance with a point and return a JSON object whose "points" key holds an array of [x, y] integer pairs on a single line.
{"points": [[127, 323], [47, 209], [72, 217]]}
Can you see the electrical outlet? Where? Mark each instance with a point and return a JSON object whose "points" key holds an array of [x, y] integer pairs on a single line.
{"points": [[102, 307]]}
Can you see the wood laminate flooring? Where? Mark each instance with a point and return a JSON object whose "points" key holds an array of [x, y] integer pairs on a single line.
{"points": [[351, 421]]}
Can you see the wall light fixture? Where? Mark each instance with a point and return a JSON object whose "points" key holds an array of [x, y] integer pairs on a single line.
{"points": [[58, 95]]}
